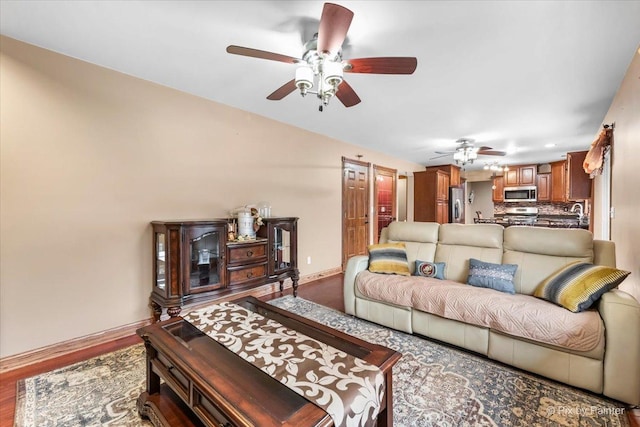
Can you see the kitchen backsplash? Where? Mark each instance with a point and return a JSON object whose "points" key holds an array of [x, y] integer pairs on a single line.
{"points": [[543, 208]]}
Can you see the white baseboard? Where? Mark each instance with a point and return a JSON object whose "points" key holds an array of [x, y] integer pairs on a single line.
{"points": [[54, 350]]}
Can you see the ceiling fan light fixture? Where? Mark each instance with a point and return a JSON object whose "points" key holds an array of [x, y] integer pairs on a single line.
{"points": [[465, 154], [304, 79], [321, 65], [332, 73]]}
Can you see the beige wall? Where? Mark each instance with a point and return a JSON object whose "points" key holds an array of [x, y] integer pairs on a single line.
{"points": [[90, 156], [482, 201], [625, 175]]}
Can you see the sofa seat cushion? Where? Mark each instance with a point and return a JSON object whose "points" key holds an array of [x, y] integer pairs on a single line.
{"points": [[517, 315], [386, 288]]}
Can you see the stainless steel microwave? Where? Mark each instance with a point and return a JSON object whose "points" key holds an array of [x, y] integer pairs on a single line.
{"points": [[520, 194]]}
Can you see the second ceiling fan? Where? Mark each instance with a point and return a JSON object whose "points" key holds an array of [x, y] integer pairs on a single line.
{"points": [[467, 152], [321, 69]]}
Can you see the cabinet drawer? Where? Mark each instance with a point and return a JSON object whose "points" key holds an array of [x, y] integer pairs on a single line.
{"points": [[247, 253], [205, 408], [172, 376], [246, 274]]}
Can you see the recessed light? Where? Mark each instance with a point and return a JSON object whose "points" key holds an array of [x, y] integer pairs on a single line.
{"points": [[549, 145]]}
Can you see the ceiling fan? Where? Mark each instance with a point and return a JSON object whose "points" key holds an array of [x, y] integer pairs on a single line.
{"points": [[467, 152], [320, 70]]}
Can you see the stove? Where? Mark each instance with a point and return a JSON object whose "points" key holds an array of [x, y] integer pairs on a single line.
{"points": [[520, 216], [513, 216]]}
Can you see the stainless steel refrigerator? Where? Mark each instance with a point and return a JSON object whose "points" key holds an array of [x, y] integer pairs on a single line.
{"points": [[456, 204]]}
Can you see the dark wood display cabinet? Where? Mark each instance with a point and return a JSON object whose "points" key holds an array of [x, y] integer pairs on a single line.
{"points": [[193, 261], [282, 235]]}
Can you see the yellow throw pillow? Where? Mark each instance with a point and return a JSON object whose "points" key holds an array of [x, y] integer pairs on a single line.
{"points": [[389, 258], [579, 285]]}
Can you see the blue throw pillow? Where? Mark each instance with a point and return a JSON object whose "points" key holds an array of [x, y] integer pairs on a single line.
{"points": [[495, 276], [430, 269]]}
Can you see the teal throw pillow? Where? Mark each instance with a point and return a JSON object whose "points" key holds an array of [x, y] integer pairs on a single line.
{"points": [[494, 276], [430, 269]]}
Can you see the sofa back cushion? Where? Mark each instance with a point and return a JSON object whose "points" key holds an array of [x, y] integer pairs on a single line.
{"points": [[420, 239], [460, 242], [539, 252]]}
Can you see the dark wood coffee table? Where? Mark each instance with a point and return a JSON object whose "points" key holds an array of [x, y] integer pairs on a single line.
{"points": [[207, 384]]}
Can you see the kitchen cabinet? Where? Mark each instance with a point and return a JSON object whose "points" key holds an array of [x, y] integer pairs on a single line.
{"points": [[194, 262], [544, 187], [431, 196], [452, 170], [558, 182], [569, 182], [518, 176], [498, 189], [578, 181]]}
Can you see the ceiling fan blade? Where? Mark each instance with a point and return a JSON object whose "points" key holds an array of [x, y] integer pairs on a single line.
{"points": [[492, 152], [347, 95], [439, 157], [261, 54], [283, 91], [388, 65], [446, 153], [484, 147], [334, 24]]}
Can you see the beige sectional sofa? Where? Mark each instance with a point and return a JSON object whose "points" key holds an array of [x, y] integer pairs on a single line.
{"points": [[598, 350]]}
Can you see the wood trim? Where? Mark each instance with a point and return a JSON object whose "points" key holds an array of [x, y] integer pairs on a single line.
{"points": [[54, 350], [59, 349], [357, 162], [391, 173]]}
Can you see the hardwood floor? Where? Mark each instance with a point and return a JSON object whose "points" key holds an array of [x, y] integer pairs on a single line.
{"points": [[326, 291]]}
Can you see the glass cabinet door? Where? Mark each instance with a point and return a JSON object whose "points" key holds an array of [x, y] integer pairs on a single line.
{"points": [[282, 247], [160, 261], [205, 246]]}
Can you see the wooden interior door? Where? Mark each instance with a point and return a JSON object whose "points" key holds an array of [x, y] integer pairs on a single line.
{"points": [[384, 198], [355, 209]]}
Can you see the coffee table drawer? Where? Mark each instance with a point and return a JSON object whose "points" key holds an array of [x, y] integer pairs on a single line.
{"points": [[208, 410], [172, 375]]}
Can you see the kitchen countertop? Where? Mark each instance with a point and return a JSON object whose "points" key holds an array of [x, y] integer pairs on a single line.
{"points": [[551, 221]]}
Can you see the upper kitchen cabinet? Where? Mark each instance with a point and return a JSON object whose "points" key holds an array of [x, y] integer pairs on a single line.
{"points": [[452, 170], [520, 175], [558, 181], [498, 189], [569, 182], [544, 187], [578, 182]]}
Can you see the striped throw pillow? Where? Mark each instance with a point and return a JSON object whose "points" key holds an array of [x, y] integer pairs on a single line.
{"points": [[579, 285], [388, 258]]}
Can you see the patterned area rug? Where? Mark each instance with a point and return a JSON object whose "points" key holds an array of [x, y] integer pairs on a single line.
{"points": [[433, 384]]}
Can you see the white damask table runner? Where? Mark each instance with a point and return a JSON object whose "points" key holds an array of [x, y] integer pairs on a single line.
{"points": [[349, 389]]}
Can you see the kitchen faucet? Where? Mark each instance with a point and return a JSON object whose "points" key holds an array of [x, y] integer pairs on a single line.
{"points": [[579, 207]]}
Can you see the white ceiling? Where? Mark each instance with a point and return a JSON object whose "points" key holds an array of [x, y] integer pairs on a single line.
{"points": [[514, 75]]}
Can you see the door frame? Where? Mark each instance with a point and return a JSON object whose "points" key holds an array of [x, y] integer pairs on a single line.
{"points": [[388, 172]]}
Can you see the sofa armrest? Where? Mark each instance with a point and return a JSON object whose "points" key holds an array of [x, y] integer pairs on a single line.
{"points": [[355, 265], [621, 315]]}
